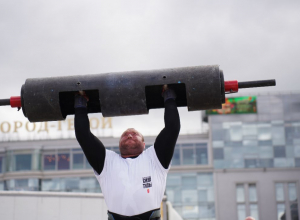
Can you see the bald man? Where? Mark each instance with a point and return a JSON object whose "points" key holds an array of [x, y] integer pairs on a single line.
{"points": [[132, 182]]}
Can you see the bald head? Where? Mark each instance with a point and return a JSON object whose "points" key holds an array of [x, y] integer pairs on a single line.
{"points": [[249, 218], [131, 143]]}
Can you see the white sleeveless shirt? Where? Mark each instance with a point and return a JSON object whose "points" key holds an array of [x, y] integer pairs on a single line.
{"points": [[132, 186]]}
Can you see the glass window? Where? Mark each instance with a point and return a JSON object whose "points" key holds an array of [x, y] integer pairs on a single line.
{"points": [[218, 153], [1, 185], [49, 161], [278, 132], [174, 180], [89, 184], [237, 152], [207, 211], [217, 134], [236, 163], [187, 145], [218, 143], [63, 160], [292, 192], [281, 212], [202, 195], [219, 164], [23, 162], [265, 143], [205, 179], [190, 211], [297, 151], [236, 133], [266, 152], [264, 132], [87, 164], [249, 130], [22, 184], [1, 162], [279, 151], [201, 155], [176, 157], [279, 192], [294, 211], [280, 162], [254, 211], [189, 182], [241, 212], [289, 151], [51, 185], [188, 156], [240, 193], [297, 162], [251, 163], [250, 143], [78, 161], [266, 163], [189, 196], [233, 143], [72, 184], [252, 193]]}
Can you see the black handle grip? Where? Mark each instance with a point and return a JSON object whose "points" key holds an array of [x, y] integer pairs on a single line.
{"points": [[4, 102], [261, 83]]}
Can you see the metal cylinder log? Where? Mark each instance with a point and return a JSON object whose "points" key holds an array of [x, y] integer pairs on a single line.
{"points": [[123, 93]]}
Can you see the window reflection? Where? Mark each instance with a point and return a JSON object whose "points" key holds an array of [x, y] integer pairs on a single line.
{"points": [[254, 211], [63, 161], [187, 191], [218, 153], [1, 162], [279, 151], [73, 184], [264, 132], [292, 192], [188, 156], [22, 184], [1, 185], [281, 212], [240, 193], [78, 161], [49, 162], [252, 193], [279, 192], [22, 162], [176, 157], [241, 212]]}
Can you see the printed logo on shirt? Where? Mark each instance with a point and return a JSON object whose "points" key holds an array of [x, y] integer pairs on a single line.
{"points": [[147, 182]]}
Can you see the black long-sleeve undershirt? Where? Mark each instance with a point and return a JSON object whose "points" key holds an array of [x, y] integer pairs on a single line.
{"points": [[94, 150]]}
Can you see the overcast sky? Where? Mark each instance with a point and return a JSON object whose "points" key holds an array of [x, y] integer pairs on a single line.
{"points": [[250, 40]]}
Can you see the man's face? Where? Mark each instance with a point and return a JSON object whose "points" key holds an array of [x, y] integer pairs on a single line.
{"points": [[131, 143]]}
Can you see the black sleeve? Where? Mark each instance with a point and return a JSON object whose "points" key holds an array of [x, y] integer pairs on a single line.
{"points": [[92, 147], [166, 140]]}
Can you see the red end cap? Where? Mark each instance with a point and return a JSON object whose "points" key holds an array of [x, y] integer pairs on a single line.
{"points": [[231, 86], [15, 101]]}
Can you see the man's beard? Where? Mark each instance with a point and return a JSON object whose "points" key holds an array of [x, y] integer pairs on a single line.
{"points": [[131, 148]]}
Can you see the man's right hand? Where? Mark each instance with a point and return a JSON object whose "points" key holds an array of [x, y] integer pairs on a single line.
{"points": [[81, 100], [168, 93]]}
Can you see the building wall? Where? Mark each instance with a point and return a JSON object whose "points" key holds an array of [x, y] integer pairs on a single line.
{"points": [[265, 181], [46, 206], [259, 151]]}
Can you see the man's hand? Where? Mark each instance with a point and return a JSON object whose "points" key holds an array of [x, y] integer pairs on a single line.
{"points": [[81, 100], [168, 93]]}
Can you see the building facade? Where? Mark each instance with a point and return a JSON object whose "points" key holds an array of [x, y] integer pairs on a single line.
{"points": [[247, 164], [256, 160]]}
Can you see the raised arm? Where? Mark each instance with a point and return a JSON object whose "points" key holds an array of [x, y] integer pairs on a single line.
{"points": [[166, 140], [92, 147]]}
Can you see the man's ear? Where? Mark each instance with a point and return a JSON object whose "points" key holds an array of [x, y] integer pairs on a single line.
{"points": [[144, 144]]}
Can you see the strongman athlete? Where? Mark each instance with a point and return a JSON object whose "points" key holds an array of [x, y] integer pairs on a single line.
{"points": [[134, 182]]}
